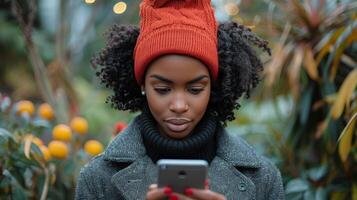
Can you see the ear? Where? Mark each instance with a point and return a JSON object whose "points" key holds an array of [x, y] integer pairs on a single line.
{"points": [[142, 87]]}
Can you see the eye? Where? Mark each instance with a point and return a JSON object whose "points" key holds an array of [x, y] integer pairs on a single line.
{"points": [[195, 90], [162, 90]]}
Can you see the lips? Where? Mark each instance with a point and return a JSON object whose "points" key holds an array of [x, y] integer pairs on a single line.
{"points": [[177, 124]]}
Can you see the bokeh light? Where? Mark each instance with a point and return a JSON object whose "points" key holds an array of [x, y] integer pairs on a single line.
{"points": [[119, 8], [231, 9], [89, 1]]}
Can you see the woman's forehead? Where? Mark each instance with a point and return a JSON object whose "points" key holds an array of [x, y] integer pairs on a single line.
{"points": [[177, 68]]}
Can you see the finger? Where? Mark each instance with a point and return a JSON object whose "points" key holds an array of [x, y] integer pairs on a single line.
{"points": [[206, 184], [152, 187], [158, 193], [204, 194], [177, 196]]}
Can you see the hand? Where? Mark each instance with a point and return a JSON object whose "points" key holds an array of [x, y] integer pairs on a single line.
{"points": [[197, 194], [156, 193], [190, 194]]}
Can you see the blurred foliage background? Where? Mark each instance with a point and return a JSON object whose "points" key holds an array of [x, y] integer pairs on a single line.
{"points": [[53, 118]]}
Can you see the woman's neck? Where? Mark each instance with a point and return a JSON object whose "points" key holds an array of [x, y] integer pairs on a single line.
{"points": [[200, 144]]}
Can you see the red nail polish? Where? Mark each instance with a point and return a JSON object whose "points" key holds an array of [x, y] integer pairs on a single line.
{"points": [[206, 182], [188, 192], [167, 190], [173, 197]]}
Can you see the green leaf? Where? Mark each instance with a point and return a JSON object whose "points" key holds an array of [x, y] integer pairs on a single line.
{"points": [[294, 71], [338, 195], [6, 134], [5, 182], [305, 105], [18, 190], [345, 139], [27, 146], [295, 196], [330, 41], [344, 94], [310, 64], [309, 195], [41, 123], [348, 36], [321, 194], [35, 149], [68, 168], [317, 173], [297, 185], [354, 191], [5, 104]]}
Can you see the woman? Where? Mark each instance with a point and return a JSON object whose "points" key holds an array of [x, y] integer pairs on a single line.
{"points": [[185, 74]]}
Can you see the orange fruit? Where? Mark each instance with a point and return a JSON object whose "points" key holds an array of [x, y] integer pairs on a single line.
{"points": [[79, 125], [25, 107], [45, 152], [62, 132], [93, 147], [58, 149], [45, 111]]}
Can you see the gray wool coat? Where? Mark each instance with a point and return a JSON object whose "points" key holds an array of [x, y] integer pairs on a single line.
{"points": [[125, 172]]}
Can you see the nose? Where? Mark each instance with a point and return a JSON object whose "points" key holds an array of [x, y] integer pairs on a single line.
{"points": [[178, 104]]}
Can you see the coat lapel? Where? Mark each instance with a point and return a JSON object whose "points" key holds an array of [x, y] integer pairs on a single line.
{"points": [[136, 178], [225, 178], [237, 152], [128, 147]]}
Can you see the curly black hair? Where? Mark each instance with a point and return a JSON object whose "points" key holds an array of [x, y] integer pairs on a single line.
{"points": [[239, 68]]}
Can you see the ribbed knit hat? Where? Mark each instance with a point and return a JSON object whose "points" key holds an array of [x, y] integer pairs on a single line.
{"points": [[185, 27]]}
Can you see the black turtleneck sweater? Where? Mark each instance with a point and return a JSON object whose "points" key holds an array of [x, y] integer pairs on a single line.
{"points": [[200, 144]]}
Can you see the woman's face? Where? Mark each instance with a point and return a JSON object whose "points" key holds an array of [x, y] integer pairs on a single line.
{"points": [[177, 90]]}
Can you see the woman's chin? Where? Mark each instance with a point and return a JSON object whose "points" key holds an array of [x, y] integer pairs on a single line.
{"points": [[177, 135]]}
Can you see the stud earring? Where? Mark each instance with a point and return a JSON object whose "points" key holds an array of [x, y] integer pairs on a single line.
{"points": [[143, 92]]}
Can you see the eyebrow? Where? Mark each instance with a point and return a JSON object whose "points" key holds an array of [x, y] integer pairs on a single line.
{"points": [[161, 78], [197, 79], [170, 81]]}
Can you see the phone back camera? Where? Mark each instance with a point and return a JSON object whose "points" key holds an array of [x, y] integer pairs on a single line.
{"points": [[182, 174]]}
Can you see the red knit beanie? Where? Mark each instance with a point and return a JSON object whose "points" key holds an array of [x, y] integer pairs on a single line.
{"points": [[185, 27]]}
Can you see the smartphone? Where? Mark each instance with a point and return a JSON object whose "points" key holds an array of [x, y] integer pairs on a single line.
{"points": [[181, 174]]}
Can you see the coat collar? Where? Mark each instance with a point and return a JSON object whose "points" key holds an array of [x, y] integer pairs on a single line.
{"points": [[128, 147], [232, 152]]}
